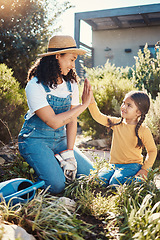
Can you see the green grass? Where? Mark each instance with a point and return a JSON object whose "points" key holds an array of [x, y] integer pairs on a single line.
{"points": [[125, 212]]}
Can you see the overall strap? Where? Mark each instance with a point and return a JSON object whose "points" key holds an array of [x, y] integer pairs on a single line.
{"points": [[46, 88], [69, 86]]}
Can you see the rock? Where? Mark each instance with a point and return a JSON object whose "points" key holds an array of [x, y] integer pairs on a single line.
{"points": [[2, 160], [100, 143], [13, 232], [68, 203]]}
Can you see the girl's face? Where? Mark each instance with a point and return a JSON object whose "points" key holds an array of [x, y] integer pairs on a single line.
{"points": [[129, 111], [67, 62]]}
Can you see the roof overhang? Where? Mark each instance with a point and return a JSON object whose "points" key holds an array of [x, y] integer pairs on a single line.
{"points": [[119, 18]]}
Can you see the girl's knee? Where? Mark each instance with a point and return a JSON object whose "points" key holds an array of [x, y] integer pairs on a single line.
{"points": [[114, 181]]}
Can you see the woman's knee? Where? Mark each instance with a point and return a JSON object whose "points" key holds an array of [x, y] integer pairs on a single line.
{"points": [[55, 187]]}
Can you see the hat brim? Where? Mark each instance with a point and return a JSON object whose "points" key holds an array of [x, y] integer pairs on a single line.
{"points": [[76, 50]]}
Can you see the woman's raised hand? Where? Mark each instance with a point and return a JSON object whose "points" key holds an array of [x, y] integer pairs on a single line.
{"points": [[87, 92], [86, 96]]}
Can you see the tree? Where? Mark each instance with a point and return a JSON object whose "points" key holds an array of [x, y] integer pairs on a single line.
{"points": [[24, 31]]}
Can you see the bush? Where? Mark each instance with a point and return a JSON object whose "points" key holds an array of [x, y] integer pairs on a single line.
{"points": [[147, 71], [153, 121], [109, 84], [12, 104]]}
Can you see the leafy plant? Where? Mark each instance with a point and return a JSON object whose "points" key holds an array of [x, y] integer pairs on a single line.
{"points": [[12, 104], [123, 212], [147, 71], [153, 122], [139, 205], [109, 84], [46, 218]]}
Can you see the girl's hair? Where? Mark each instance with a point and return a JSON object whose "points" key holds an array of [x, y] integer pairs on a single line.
{"points": [[142, 102], [47, 70]]}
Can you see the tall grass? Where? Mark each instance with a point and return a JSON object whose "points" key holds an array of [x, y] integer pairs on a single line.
{"points": [[124, 212]]}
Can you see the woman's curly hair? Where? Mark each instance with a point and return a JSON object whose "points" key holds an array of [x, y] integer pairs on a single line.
{"points": [[47, 70]]}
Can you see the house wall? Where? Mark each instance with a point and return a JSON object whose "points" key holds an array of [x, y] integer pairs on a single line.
{"points": [[119, 40]]}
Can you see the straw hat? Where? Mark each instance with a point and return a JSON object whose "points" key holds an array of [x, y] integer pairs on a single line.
{"points": [[62, 44]]}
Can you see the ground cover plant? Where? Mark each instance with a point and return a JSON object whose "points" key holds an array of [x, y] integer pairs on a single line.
{"points": [[125, 212]]}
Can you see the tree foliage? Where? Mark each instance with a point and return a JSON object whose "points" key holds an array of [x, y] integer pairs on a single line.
{"points": [[24, 31]]}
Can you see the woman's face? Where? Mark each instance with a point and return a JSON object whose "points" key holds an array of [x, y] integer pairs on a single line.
{"points": [[67, 62]]}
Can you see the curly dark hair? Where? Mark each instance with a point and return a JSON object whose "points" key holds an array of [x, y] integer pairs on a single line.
{"points": [[47, 70], [142, 102]]}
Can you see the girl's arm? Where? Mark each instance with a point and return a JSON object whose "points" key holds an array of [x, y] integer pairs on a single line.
{"points": [[151, 149], [94, 110], [54, 121], [97, 115], [142, 173]]}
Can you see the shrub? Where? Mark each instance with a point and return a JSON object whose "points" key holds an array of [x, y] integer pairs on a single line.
{"points": [[147, 71], [109, 84], [12, 104], [153, 121]]}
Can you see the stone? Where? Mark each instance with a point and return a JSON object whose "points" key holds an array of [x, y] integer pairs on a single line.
{"points": [[14, 232], [2, 160], [101, 143], [68, 203]]}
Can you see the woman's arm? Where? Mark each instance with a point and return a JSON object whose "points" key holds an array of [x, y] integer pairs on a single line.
{"points": [[54, 121], [71, 133]]}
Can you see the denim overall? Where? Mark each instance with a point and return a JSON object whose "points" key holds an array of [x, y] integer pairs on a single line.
{"points": [[38, 143]]}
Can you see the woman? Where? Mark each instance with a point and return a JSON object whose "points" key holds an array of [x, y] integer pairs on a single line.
{"points": [[46, 140]]}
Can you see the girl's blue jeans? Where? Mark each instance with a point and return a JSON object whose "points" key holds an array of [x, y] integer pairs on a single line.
{"points": [[119, 173]]}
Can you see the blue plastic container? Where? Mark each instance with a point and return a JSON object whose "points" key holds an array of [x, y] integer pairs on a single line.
{"points": [[19, 190]]}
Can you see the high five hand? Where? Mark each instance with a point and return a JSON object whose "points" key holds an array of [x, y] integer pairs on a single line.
{"points": [[86, 96]]}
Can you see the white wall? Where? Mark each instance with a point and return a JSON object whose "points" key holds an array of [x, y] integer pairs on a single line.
{"points": [[118, 41]]}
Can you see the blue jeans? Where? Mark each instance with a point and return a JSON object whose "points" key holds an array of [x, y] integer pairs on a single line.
{"points": [[119, 173], [38, 143]]}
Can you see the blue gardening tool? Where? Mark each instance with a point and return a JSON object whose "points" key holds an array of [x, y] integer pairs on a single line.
{"points": [[19, 190]]}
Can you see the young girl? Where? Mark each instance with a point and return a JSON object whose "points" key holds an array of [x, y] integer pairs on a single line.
{"points": [[129, 136], [46, 140]]}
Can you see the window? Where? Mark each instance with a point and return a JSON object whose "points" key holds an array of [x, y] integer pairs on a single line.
{"points": [[152, 49]]}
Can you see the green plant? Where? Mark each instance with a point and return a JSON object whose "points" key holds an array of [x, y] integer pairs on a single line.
{"points": [[109, 84], [137, 204], [153, 122], [17, 167], [124, 212], [86, 184], [45, 218], [147, 71], [12, 104]]}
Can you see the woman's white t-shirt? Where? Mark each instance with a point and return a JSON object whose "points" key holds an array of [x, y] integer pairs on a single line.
{"points": [[37, 96]]}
